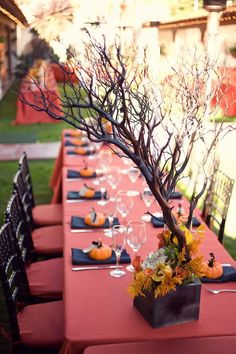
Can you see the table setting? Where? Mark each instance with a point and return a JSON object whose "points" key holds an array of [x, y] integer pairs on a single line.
{"points": [[79, 267]]}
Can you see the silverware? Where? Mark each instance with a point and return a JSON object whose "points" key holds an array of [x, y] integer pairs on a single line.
{"points": [[75, 200], [217, 291], [88, 230], [95, 267]]}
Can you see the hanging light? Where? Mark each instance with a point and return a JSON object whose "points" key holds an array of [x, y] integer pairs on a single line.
{"points": [[214, 5]]}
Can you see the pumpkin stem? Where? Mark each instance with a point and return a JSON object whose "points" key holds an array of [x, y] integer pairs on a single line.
{"points": [[211, 260], [85, 165]]}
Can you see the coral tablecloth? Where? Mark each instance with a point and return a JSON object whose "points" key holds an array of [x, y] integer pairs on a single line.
{"points": [[32, 94], [98, 309]]}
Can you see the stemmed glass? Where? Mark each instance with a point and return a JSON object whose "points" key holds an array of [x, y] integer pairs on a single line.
{"points": [[104, 160], [119, 234], [113, 179], [124, 203], [136, 236], [111, 213], [147, 197], [133, 174]]}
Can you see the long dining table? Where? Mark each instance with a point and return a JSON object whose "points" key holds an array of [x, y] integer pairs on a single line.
{"points": [[97, 308]]}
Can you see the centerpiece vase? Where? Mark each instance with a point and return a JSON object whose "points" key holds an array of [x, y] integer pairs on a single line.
{"points": [[178, 306]]}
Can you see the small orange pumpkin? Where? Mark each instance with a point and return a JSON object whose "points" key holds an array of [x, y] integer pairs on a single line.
{"points": [[86, 172], [212, 269], [75, 133], [101, 252], [80, 151], [94, 219]]}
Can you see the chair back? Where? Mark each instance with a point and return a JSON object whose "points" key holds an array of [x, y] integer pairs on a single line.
{"points": [[217, 202], [20, 187], [11, 278], [15, 214], [24, 167]]}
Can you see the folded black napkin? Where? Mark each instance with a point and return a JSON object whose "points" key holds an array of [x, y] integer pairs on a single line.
{"points": [[78, 223], [158, 222], [70, 143], [176, 195], [75, 195], [229, 274], [79, 257], [87, 153], [76, 174]]}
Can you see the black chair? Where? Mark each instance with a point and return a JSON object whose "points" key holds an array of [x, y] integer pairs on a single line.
{"points": [[41, 215], [44, 241], [37, 326], [216, 203], [44, 277]]}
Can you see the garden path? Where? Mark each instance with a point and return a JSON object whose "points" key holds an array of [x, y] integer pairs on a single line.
{"points": [[34, 151]]}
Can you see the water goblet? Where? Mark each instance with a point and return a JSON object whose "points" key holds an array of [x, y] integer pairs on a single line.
{"points": [[124, 203], [119, 233], [111, 214], [133, 174], [136, 236], [113, 179], [104, 160]]}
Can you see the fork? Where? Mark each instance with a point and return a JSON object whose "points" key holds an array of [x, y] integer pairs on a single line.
{"points": [[215, 292]]}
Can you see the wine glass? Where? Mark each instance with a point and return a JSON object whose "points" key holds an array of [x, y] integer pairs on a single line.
{"points": [[111, 213], [136, 236], [133, 174], [119, 234], [148, 199], [104, 160], [124, 203], [113, 179]]}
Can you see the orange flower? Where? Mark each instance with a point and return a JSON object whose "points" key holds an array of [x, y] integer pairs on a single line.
{"points": [[148, 271], [136, 263], [181, 272]]}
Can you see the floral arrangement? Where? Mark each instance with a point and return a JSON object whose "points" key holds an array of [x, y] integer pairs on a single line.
{"points": [[166, 267]]}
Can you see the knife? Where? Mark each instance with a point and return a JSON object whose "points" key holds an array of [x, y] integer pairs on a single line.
{"points": [[88, 230], [95, 267]]}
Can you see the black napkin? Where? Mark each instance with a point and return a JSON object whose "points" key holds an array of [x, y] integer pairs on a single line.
{"points": [[87, 153], [75, 195], [229, 274], [176, 195], [158, 222], [70, 143], [79, 257], [76, 174], [78, 223]]}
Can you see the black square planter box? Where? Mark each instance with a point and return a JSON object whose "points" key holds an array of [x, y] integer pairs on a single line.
{"points": [[179, 306]]}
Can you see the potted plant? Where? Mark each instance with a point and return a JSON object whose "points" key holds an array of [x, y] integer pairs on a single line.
{"points": [[156, 126]]}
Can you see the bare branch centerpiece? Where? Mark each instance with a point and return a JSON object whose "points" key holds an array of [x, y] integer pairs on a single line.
{"points": [[156, 126]]}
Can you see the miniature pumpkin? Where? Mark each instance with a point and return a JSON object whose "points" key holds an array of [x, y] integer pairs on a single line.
{"points": [[80, 151], [101, 252], [79, 142], [86, 172], [94, 219], [87, 192], [75, 133], [212, 269]]}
